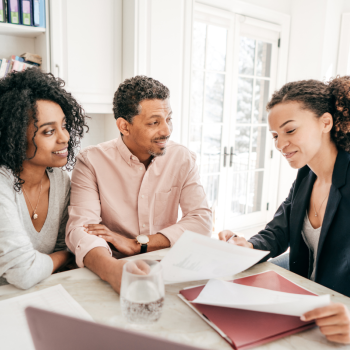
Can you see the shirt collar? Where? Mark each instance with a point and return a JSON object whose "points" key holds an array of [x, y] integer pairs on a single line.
{"points": [[125, 152]]}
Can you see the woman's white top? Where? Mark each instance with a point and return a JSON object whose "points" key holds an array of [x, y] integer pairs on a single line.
{"points": [[311, 237], [24, 259]]}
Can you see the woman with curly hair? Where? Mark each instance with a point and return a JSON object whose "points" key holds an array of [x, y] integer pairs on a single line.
{"points": [[310, 124], [40, 129]]}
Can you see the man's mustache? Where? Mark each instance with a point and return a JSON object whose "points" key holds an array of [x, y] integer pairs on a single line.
{"points": [[161, 138]]}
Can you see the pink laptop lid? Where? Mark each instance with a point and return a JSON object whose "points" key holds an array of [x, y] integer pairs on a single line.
{"points": [[52, 331]]}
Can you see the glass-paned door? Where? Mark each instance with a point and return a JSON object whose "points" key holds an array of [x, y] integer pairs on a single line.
{"points": [[254, 80], [207, 103], [233, 75], [251, 126]]}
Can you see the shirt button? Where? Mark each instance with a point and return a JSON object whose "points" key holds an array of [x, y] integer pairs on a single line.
{"points": [[142, 196], [140, 168], [143, 225]]}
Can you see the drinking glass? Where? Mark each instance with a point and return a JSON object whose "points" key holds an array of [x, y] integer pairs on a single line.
{"points": [[142, 291]]}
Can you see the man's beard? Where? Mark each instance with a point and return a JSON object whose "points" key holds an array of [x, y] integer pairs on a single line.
{"points": [[159, 154], [162, 152]]}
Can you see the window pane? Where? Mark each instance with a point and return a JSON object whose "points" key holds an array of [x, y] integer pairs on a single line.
{"points": [[239, 193], [195, 140], [257, 156], [197, 96], [211, 148], [246, 56], [242, 143], [244, 100], [216, 58], [214, 97], [255, 191], [199, 37], [261, 98], [211, 188], [263, 65]]}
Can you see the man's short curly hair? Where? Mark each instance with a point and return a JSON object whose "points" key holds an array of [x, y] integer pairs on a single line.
{"points": [[19, 92], [127, 98], [321, 97]]}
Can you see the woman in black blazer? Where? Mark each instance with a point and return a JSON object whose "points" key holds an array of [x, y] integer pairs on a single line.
{"points": [[310, 123]]}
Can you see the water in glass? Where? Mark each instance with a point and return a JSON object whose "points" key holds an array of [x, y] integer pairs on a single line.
{"points": [[142, 295]]}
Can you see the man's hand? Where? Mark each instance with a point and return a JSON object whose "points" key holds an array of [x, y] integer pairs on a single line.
{"points": [[333, 320], [241, 241], [99, 261], [124, 245]]}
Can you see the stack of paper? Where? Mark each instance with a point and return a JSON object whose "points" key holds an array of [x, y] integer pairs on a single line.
{"points": [[14, 331], [228, 294], [196, 257]]}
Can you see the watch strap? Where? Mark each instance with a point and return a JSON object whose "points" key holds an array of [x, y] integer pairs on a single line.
{"points": [[143, 248]]}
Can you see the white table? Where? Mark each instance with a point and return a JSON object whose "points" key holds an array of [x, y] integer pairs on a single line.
{"points": [[178, 321]]}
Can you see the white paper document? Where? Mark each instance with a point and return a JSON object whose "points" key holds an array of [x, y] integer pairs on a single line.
{"points": [[14, 331], [196, 257], [228, 294]]}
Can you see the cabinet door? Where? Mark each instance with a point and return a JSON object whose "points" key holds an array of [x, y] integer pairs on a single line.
{"points": [[85, 37]]}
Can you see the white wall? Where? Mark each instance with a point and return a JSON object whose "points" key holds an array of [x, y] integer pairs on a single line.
{"points": [[234, 5], [102, 128], [313, 54]]}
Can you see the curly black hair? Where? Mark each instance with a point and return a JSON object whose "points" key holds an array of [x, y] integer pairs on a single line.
{"points": [[127, 98], [19, 92], [321, 97]]}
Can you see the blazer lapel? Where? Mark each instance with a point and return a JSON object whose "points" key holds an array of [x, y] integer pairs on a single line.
{"points": [[338, 180], [331, 209], [299, 254]]}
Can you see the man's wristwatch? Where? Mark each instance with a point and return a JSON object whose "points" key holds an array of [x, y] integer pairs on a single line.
{"points": [[143, 241]]}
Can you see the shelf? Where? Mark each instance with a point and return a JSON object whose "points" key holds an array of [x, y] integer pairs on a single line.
{"points": [[20, 30]]}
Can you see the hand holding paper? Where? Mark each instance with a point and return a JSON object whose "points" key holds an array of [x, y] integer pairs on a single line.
{"points": [[195, 257], [228, 294]]}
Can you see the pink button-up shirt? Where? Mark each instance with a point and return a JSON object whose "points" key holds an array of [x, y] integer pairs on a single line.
{"points": [[111, 186]]}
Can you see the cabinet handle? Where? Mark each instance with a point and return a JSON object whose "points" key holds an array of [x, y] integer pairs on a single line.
{"points": [[225, 155], [58, 70], [231, 156]]}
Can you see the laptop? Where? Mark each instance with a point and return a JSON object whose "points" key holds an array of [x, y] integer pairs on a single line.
{"points": [[52, 331]]}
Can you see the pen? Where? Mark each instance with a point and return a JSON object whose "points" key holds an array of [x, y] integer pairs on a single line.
{"points": [[234, 235]]}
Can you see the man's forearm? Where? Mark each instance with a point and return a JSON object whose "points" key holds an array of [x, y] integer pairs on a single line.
{"points": [[156, 242], [99, 261]]}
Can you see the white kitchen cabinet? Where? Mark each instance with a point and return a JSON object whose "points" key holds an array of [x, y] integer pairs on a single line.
{"points": [[86, 41]]}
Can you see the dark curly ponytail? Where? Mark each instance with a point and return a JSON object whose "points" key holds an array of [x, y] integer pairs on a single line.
{"points": [[319, 97], [19, 92]]}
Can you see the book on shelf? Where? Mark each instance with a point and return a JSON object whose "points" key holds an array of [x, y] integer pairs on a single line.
{"points": [[3, 11], [33, 58], [13, 11], [36, 13], [23, 12], [26, 11], [16, 63]]}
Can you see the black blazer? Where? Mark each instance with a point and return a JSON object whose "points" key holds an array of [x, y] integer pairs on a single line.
{"points": [[333, 254]]}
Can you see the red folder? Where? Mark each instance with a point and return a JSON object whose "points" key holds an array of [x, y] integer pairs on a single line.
{"points": [[244, 329]]}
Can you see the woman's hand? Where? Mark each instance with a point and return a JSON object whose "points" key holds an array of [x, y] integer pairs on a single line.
{"points": [[241, 241], [124, 245], [333, 320]]}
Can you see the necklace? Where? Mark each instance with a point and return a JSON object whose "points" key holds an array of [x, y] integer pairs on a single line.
{"points": [[320, 206], [35, 215]]}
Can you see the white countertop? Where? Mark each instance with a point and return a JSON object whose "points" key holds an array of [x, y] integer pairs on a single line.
{"points": [[178, 322]]}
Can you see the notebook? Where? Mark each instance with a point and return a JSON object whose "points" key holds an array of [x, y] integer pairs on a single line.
{"points": [[244, 329]]}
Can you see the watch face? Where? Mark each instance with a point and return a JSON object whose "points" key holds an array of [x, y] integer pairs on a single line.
{"points": [[143, 239]]}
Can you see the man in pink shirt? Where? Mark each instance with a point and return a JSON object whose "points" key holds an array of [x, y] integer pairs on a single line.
{"points": [[125, 193]]}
